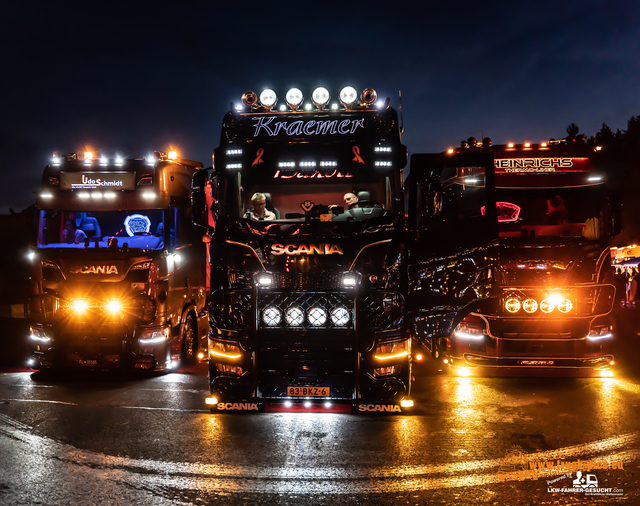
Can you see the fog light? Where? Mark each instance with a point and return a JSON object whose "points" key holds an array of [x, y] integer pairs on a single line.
{"points": [[530, 306], [406, 403], [317, 316], [512, 305], [294, 316], [271, 316], [340, 316], [211, 400]]}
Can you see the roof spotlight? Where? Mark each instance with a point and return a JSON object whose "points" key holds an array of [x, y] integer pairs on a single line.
{"points": [[172, 155], [249, 98], [320, 97], [369, 96], [294, 98], [268, 99], [348, 96]]}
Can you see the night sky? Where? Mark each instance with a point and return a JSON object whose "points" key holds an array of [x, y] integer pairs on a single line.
{"points": [[133, 77]]}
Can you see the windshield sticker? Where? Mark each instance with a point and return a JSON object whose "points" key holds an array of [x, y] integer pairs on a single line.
{"points": [[137, 224]]}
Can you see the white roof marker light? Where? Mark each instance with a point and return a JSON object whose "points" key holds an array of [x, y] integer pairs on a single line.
{"points": [[348, 96], [268, 99], [294, 98]]}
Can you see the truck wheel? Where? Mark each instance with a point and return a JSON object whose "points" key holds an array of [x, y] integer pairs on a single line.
{"points": [[189, 342]]}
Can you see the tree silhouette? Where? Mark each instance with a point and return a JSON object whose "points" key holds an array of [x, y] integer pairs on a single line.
{"points": [[573, 130]]}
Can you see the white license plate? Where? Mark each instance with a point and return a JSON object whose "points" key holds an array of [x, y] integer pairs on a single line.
{"points": [[308, 391], [535, 362]]}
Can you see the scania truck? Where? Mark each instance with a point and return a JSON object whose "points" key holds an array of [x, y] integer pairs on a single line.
{"points": [[509, 268], [307, 306], [119, 264]]}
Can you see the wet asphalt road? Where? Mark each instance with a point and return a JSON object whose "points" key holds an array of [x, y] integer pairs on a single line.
{"points": [[96, 439]]}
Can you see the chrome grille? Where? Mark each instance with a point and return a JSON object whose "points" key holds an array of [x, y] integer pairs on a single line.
{"points": [[309, 281]]}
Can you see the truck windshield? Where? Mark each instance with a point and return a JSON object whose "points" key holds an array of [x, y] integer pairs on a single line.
{"points": [[529, 212], [288, 195], [135, 229]]}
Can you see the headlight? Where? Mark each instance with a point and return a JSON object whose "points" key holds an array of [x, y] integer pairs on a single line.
{"points": [[294, 317], [389, 351], [600, 332], [224, 350], [154, 336], [340, 316], [113, 307], [317, 316], [348, 96], [39, 335], [271, 316], [79, 306]]}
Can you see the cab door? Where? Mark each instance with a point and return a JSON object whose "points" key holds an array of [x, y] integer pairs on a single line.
{"points": [[453, 250]]}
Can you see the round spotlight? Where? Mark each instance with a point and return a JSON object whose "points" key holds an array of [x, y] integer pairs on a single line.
{"points": [[340, 316], [546, 306], [320, 97], [114, 306], [271, 316], [268, 99], [79, 306], [294, 317], [348, 96], [530, 306], [369, 96], [294, 98], [172, 155], [564, 306], [249, 98], [317, 316], [512, 305]]}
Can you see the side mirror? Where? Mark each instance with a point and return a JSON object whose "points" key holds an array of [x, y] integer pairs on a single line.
{"points": [[199, 198]]}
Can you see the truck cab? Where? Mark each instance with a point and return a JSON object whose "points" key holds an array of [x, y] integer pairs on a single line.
{"points": [[307, 299], [509, 268], [119, 265]]}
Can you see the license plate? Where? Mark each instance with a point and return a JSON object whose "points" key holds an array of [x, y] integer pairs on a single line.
{"points": [[535, 362], [308, 391], [88, 362]]}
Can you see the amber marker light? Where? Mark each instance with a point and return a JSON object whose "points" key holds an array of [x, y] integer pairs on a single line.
{"points": [[406, 403], [464, 371], [450, 151], [606, 374], [419, 357], [389, 357], [88, 155], [172, 155], [210, 401], [510, 145]]}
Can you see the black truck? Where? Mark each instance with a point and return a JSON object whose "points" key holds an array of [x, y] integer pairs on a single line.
{"points": [[307, 305]]}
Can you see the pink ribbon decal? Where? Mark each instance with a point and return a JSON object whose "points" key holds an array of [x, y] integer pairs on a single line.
{"points": [[258, 157], [357, 158]]}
